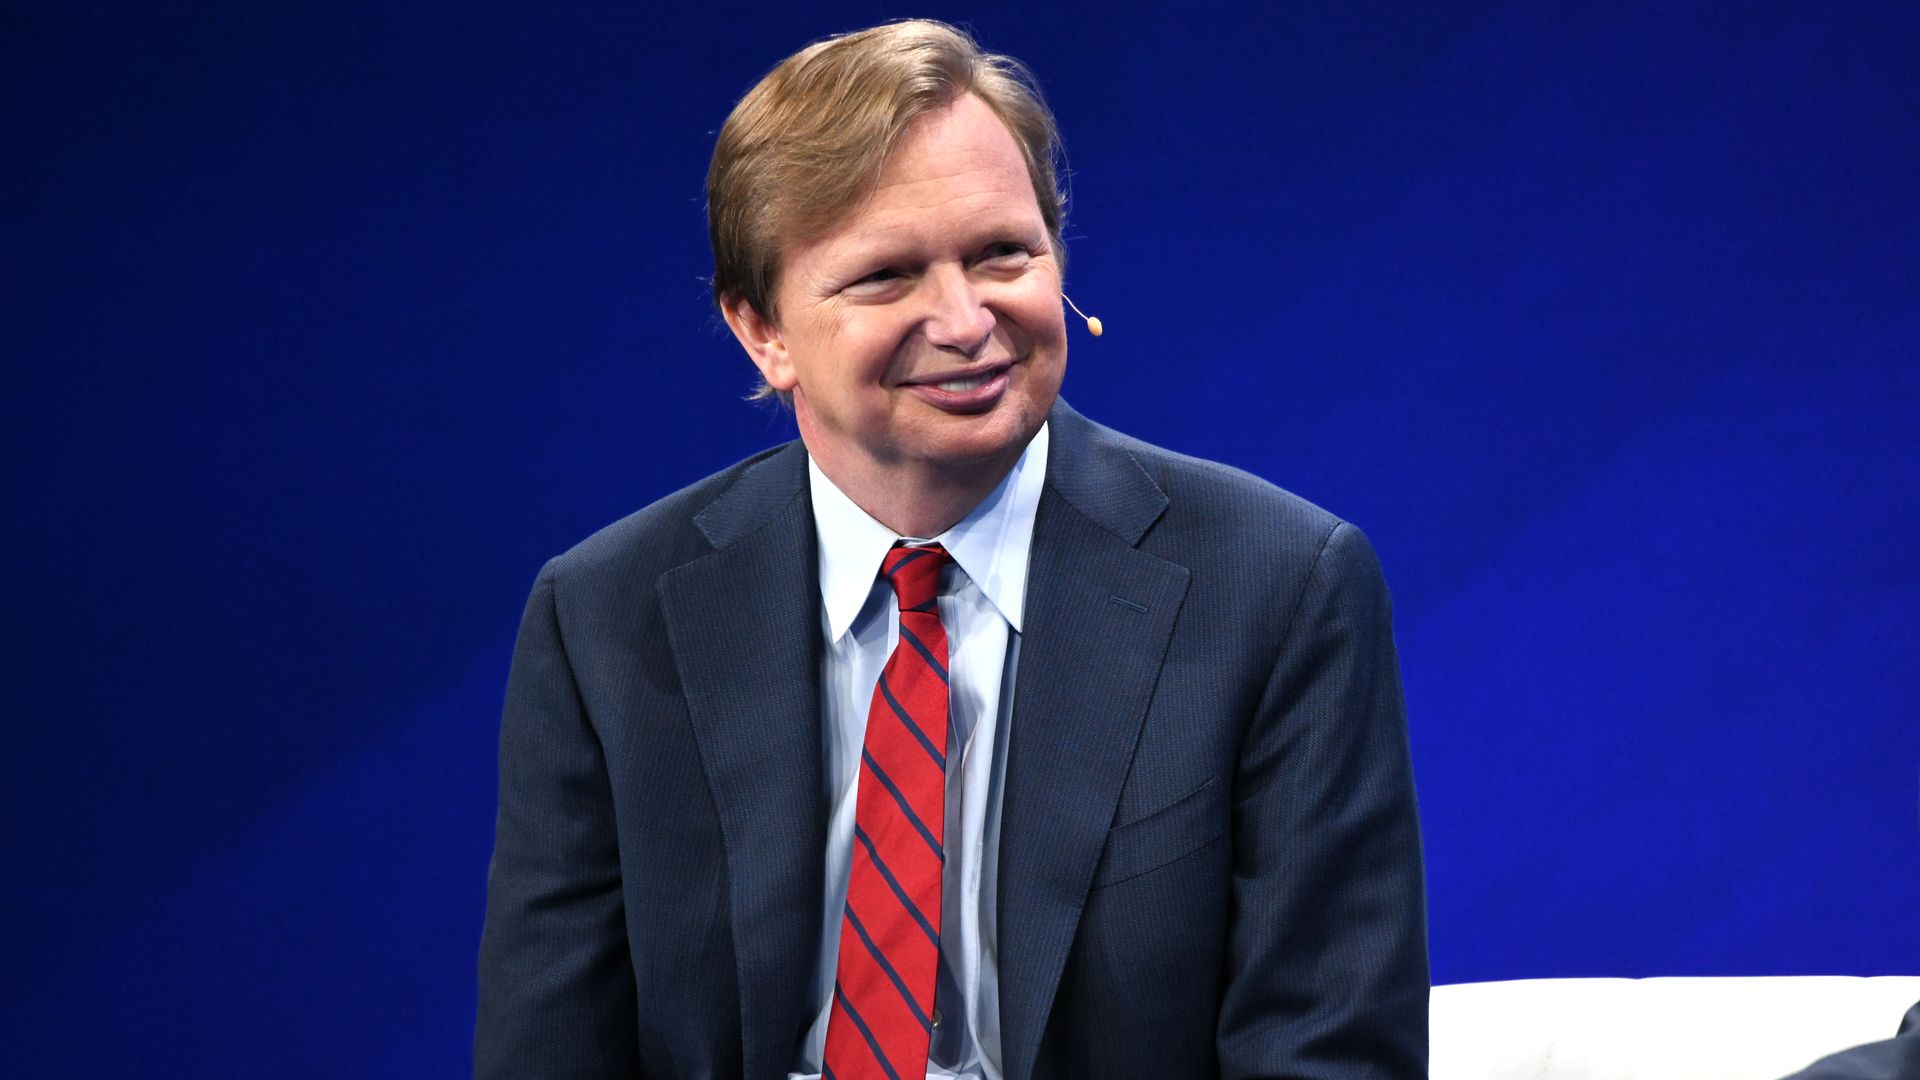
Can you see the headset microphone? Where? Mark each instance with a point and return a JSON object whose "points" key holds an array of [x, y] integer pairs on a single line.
{"points": [[1093, 324]]}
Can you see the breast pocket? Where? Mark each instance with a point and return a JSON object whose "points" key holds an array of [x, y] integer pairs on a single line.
{"points": [[1167, 835]]}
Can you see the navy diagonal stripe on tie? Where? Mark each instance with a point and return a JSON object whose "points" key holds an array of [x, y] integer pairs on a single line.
{"points": [[893, 883], [911, 555], [872, 1043], [901, 798], [908, 636], [880, 958], [913, 725]]}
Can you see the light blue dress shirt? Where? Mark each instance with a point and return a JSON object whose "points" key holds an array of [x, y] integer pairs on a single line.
{"points": [[982, 595]]}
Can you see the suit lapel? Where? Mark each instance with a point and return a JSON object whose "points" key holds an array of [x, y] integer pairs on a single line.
{"points": [[744, 625], [1099, 614]]}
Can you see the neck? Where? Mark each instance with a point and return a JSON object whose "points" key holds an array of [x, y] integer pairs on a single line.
{"points": [[915, 499]]}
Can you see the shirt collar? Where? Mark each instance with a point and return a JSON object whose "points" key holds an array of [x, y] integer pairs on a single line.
{"points": [[990, 544]]}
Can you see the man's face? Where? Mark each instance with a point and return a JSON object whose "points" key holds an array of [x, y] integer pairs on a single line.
{"points": [[924, 334]]}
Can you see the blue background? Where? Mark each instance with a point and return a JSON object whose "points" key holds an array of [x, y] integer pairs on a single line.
{"points": [[325, 324]]}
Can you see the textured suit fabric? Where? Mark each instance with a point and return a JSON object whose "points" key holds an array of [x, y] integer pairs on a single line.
{"points": [[1209, 855]]}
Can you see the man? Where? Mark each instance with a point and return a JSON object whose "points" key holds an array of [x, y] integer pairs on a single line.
{"points": [[963, 737]]}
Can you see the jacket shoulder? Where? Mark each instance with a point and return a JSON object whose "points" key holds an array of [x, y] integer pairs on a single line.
{"points": [[1218, 507], [656, 538], [1247, 542]]}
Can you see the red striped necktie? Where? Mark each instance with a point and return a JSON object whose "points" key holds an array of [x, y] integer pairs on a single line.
{"points": [[882, 1019]]}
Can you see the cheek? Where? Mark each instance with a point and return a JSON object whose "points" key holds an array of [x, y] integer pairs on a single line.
{"points": [[1039, 310], [1044, 327], [841, 350], [869, 347]]}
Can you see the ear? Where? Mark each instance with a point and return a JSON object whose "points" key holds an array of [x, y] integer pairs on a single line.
{"points": [[762, 339]]}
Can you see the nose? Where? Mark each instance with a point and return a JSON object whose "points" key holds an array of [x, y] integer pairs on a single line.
{"points": [[957, 315]]}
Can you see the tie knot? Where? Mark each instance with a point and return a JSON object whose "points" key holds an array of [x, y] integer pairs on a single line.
{"points": [[914, 573]]}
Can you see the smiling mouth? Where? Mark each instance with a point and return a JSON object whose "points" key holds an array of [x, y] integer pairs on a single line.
{"points": [[966, 392], [971, 382], [967, 382]]}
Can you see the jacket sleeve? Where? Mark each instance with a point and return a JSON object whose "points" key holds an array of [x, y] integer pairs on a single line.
{"points": [[1327, 961], [556, 983]]}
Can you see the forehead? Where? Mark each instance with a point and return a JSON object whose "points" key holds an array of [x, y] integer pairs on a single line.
{"points": [[955, 171]]}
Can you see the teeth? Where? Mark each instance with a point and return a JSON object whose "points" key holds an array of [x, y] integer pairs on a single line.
{"points": [[963, 385]]}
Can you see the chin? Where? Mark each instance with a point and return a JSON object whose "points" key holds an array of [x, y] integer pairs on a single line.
{"points": [[1003, 433]]}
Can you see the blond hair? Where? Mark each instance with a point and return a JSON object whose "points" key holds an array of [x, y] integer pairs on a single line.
{"points": [[806, 145]]}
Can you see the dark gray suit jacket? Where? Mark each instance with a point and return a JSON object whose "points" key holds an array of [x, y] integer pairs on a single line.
{"points": [[1209, 863]]}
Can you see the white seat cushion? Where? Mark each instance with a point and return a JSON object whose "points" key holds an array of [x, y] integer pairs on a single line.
{"points": [[1658, 1029]]}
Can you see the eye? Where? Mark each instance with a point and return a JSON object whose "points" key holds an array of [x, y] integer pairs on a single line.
{"points": [[1005, 256], [878, 282]]}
